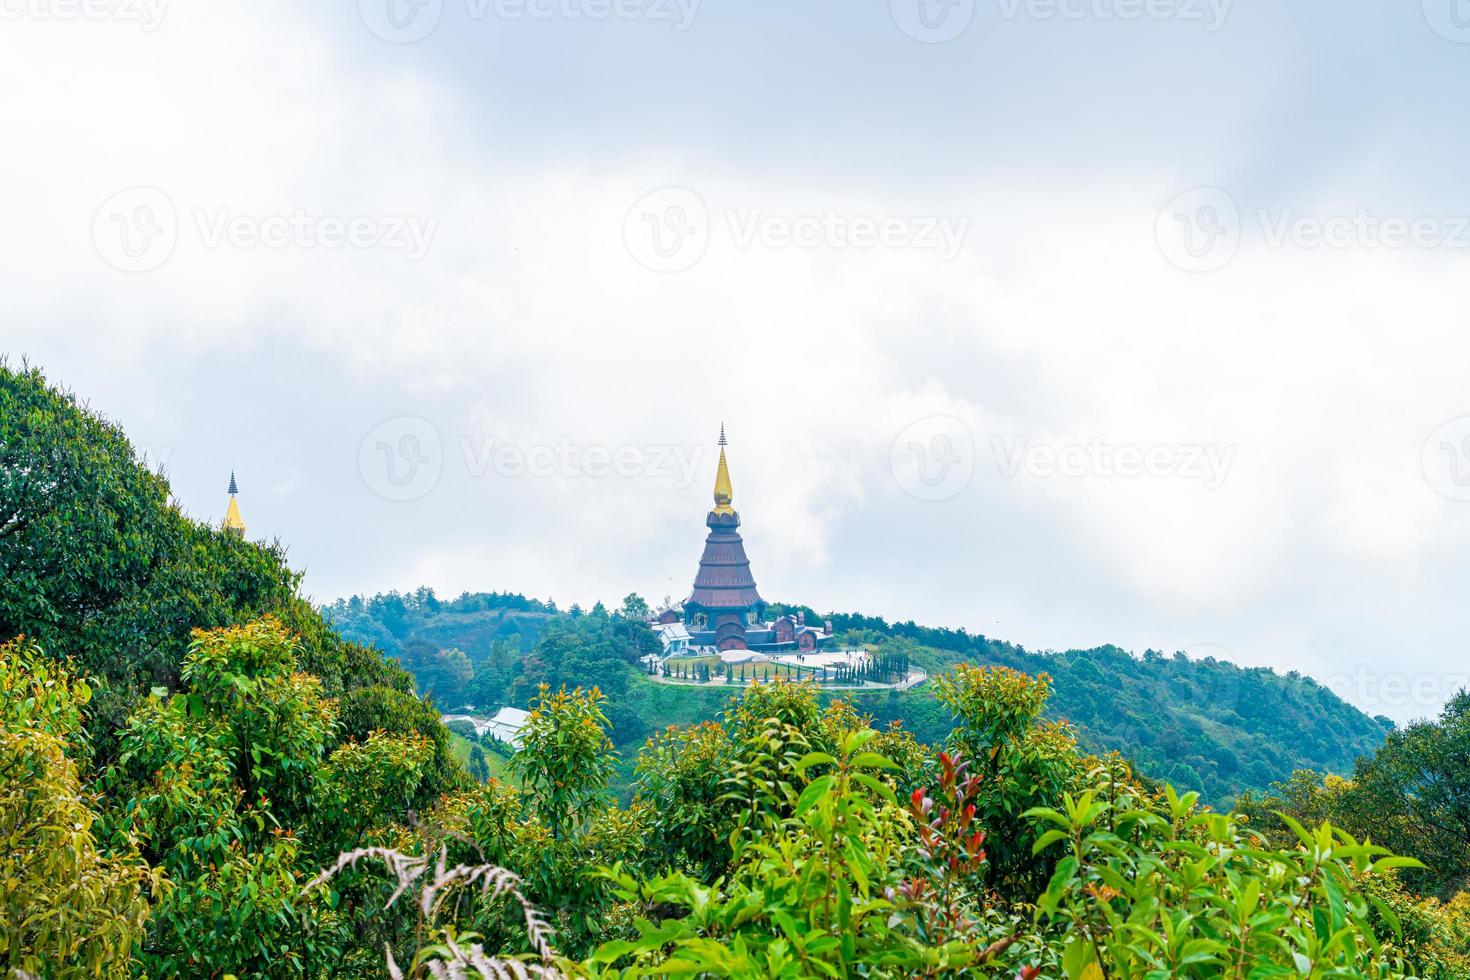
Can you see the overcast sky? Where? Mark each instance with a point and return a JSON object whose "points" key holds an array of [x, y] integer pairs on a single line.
{"points": [[1067, 321]]}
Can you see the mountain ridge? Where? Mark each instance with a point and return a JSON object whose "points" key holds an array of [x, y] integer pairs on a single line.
{"points": [[1202, 722]]}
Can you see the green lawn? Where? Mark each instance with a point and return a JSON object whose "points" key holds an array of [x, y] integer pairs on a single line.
{"points": [[461, 746]]}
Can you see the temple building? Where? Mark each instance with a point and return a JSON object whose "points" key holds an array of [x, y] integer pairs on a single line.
{"points": [[725, 611], [234, 523]]}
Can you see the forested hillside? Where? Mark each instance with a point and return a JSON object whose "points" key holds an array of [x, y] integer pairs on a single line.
{"points": [[157, 780], [1204, 723], [200, 778]]}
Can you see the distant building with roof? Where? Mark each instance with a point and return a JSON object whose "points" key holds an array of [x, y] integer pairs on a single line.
{"points": [[725, 610], [505, 725], [674, 638]]}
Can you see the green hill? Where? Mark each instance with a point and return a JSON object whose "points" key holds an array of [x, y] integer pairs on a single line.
{"points": [[1205, 723]]}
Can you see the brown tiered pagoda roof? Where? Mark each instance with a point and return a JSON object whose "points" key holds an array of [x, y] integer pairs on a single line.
{"points": [[724, 582]]}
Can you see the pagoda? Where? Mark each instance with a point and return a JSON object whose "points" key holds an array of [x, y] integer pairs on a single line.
{"points": [[725, 610], [234, 523]]}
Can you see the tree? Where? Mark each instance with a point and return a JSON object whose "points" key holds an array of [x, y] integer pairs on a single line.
{"points": [[1421, 776], [493, 675], [364, 787], [810, 893], [214, 780], [479, 767], [67, 906], [1413, 796], [1022, 761], [635, 607], [444, 674], [565, 757], [96, 564]]}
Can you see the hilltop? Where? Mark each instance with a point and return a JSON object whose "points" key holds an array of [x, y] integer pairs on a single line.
{"points": [[1205, 723]]}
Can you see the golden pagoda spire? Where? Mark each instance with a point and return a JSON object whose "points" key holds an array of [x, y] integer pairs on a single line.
{"points": [[724, 494], [234, 523]]}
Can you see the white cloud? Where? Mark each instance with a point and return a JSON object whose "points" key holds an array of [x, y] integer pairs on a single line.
{"points": [[530, 321]]}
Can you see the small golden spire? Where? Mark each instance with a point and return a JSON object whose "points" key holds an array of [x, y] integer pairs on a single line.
{"points": [[234, 523], [724, 494]]}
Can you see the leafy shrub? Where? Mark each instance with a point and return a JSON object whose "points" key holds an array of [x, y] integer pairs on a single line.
{"points": [[67, 906]]}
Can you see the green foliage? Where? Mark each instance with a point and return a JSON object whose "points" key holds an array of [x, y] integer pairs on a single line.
{"points": [[811, 893], [277, 724], [167, 816], [1023, 762], [681, 773], [244, 914], [1201, 722], [210, 781], [565, 757], [363, 787], [1413, 796], [100, 567], [478, 765], [444, 674], [67, 907], [783, 841], [501, 825], [215, 782], [1187, 893], [1137, 883], [366, 710]]}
